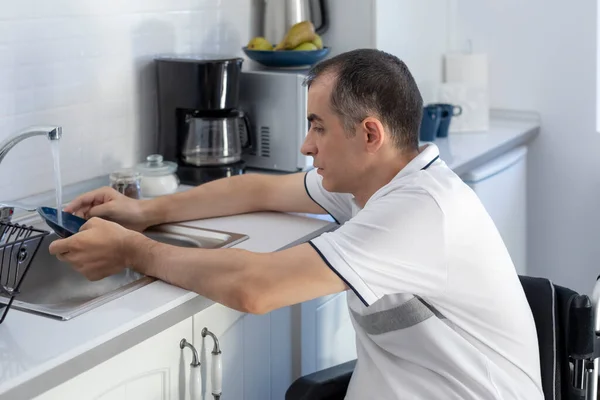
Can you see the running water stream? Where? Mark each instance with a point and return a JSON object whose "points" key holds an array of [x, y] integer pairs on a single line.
{"points": [[55, 144]]}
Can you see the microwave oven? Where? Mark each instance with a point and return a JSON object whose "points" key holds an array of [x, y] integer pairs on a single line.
{"points": [[275, 102]]}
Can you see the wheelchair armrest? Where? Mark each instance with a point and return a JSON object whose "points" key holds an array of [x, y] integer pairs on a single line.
{"points": [[327, 384]]}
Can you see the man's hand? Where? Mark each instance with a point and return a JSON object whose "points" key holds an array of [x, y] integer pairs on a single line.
{"points": [[109, 204], [100, 249]]}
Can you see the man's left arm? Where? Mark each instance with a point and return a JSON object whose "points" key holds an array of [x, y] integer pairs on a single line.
{"points": [[251, 282], [243, 280]]}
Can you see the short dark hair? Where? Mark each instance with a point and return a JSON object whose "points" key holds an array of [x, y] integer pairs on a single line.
{"points": [[371, 82]]}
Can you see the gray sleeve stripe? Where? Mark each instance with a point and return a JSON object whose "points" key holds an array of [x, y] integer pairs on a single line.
{"points": [[404, 316]]}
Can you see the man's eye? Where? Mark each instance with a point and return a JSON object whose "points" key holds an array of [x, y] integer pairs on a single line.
{"points": [[318, 129]]}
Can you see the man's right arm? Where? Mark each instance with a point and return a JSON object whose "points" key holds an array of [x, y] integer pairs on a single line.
{"points": [[235, 195]]}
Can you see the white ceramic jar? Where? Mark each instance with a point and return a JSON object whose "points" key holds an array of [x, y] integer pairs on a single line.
{"points": [[158, 176]]}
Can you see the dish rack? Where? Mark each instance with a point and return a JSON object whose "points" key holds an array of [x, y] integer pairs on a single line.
{"points": [[18, 247]]}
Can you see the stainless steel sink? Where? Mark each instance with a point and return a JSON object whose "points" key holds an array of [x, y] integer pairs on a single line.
{"points": [[54, 289]]}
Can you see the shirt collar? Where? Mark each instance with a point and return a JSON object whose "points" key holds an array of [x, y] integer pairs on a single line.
{"points": [[427, 155]]}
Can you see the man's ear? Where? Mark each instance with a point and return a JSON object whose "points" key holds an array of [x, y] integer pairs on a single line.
{"points": [[374, 134]]}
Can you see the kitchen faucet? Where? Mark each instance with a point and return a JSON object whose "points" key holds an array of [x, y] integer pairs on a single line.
{"points": [[51, 132]]}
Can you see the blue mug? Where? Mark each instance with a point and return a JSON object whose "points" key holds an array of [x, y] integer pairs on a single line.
{"points": [[447, 112], [430, 123]]}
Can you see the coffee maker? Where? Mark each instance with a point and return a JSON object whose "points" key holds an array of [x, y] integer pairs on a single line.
{"points": [[199, 124]]}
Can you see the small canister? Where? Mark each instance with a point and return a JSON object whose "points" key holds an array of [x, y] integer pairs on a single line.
{"points": [[128, 182], [158, 176]]}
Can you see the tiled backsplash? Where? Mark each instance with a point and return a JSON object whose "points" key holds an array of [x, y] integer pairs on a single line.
{"points": [[86, 65]]}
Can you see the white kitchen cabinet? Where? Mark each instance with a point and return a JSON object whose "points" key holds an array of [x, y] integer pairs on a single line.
{"points": [[501, 185], [254, 366], [257, 355], [155, 369], [227, 325], [328, 337]]}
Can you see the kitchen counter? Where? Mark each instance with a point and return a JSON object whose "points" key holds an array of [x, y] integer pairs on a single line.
{"points": [[508, 130], [38, 353]]}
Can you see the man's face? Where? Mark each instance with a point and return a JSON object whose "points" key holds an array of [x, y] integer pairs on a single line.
{"points": [[338, 156]]}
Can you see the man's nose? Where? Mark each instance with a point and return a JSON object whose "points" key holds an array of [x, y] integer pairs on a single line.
{"points": [[308, 147]]}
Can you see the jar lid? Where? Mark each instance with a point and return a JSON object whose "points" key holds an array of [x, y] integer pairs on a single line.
{"points": [[125, 175], [156, 166]]}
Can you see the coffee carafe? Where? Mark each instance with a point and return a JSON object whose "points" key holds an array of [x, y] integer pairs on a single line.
{"points": [[215, 140], [278, 16], [200, 125]]}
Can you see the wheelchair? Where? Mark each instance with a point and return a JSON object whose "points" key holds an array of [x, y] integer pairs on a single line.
{"points": [[568, 330]]}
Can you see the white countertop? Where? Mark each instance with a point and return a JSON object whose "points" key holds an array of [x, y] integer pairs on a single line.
{"points": [[51, 351], [38, 353], [508, 130]]}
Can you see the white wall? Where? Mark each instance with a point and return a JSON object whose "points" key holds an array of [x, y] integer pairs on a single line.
{"points": [[413, 30], [86, 65], [350, 25], [543, 57], [416, 32]]}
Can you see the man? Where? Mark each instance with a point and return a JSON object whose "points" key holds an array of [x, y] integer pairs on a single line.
{"points": [[436, 303]]}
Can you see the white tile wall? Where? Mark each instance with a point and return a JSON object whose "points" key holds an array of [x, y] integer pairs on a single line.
{"points": [[87, 65]]}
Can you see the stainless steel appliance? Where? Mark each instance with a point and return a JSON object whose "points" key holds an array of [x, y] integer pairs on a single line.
{"points": [[276, 102], [200, 125], [278, 16]]}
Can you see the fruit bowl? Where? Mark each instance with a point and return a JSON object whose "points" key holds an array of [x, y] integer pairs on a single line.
{"points": [[286, 58]]}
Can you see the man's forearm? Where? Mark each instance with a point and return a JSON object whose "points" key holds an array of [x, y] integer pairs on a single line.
{"points": [[230, 196], [222, 275]]}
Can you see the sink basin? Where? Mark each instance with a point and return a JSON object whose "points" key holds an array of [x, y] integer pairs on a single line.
{"points": [[52, 288]]}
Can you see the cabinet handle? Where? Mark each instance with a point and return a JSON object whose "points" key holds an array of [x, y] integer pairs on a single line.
{"points": [[195, 371], [195, 383], [217, 366]]}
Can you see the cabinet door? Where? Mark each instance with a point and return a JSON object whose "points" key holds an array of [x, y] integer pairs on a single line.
{"points": [[251, 368], [328, 337], [155, 369]]}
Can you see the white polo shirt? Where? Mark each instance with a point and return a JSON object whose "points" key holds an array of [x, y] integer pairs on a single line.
{"points": [[437, 306]]}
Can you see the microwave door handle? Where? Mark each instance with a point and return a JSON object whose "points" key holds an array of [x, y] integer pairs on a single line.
{"points": [[248, 144]]}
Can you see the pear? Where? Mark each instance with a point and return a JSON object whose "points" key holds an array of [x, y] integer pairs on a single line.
{"points": [[299, 33], [306, 46], [259, 43], [318, 42]]}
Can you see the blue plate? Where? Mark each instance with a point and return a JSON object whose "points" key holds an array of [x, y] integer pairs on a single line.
{"points": [[287, 58], [70, 223]]}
